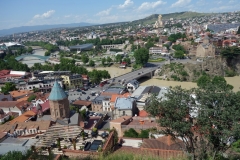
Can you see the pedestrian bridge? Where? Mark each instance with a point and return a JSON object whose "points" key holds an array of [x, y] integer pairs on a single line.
{"points": [[43, 58]]}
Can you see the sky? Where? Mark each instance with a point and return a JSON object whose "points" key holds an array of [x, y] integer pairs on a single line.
{"points": [[16, 13]]}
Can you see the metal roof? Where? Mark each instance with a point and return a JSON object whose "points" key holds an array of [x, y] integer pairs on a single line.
{"points": [[82, 47], [57, 92]]}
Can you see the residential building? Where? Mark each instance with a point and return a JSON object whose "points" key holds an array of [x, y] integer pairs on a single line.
{"points": [[7, 97], [72, 81], [125, 107], [20, 94], [155, 50], [132, 85]]}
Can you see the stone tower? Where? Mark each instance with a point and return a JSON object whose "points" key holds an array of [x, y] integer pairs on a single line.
{"points": [[159, 23], [59, 104]]}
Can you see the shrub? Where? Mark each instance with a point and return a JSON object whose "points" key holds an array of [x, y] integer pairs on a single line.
{"points": [[230, 73]]}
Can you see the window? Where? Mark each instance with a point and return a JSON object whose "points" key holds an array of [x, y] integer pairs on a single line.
{"points": [[123, 112]]}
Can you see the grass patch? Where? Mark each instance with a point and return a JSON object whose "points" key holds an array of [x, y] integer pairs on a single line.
{"points": [[156, 60]]}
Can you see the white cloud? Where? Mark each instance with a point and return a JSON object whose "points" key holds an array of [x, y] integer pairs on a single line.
{"points": [[180, 3], [104, 12], [44, 15], [126, 4], [150, 5]]}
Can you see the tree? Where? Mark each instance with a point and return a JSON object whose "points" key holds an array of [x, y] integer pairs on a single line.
{"points": [[103, 61], [84, 58], [109, 60], [9, 86], [149, 44], [131, 133], [30, 98], [141, 56], [203, 81], [29, 50], [47, 53], [91, 63], [127, 60], [118, 58], [230, 53], [179, 54], [206, 134]]}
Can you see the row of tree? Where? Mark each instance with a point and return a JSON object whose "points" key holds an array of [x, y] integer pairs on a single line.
{"points": [[216, 124]]}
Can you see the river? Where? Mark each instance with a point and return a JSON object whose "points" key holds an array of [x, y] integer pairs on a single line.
{"points": [[234, 81]]}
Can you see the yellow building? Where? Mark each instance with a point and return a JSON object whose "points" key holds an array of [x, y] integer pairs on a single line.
{"points": [[72, 81]]}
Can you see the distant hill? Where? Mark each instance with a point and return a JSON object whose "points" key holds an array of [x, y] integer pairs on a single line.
{"points": [[40, 27], [178, 15]]}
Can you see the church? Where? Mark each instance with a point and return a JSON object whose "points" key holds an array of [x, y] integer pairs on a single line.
{"points": [[158, 23]]}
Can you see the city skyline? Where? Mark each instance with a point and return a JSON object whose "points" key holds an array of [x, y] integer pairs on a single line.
{"points": [[31, 13]]}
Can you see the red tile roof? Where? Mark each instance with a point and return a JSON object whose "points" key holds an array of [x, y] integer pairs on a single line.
{"points": [[82, 103], [8, 104], [24, 117], [163, 143], [45, 106], [143, 113]]}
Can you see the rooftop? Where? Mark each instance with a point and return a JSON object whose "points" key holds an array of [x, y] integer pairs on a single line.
{"points": [[20, 93], [24, 117], [121, 119], [57, 92], [124, 103]]}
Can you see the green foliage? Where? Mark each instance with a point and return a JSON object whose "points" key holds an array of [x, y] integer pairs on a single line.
{"points": [[96, 76], [115, 50], [134, 134], [217, 119], [83, 114], [109, 60], [203, 81], [15, 155], [47, 53], [91, 63], [29, 50], [218, 81], [127, 60], [131, 133], [178, 48], [236, 146], [175, 77], [11, 63], [84, 58], [179, 54], [230, 73], [149, 44], [9, 86], [118, 58], [45, 45], [141, 56], [94, 129], [103, 61], [230, 53], [32, 97], [174, 37]]}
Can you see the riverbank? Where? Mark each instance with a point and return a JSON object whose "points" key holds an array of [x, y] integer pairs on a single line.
{"points": [[234, 81]]}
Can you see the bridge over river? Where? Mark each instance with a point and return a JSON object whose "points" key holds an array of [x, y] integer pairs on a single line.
{"points": [[38, 57]]}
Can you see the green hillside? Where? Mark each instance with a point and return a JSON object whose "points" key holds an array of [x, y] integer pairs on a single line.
{"points": [[178, 15]]}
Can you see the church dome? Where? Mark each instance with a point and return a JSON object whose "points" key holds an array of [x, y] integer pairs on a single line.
{"points": [[57, 93]]}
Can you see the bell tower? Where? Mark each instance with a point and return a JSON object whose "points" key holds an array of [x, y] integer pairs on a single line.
{"points": [[59, 104]]}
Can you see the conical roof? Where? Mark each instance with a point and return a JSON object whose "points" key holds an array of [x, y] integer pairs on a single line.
{"points": [[57, 93]]}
